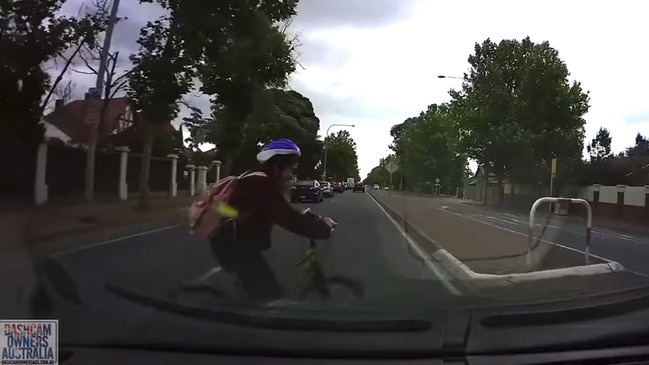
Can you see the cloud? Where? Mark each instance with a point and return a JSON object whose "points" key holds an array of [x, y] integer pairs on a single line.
{"points": [[638, 118], [328, 14], [319, 53]]}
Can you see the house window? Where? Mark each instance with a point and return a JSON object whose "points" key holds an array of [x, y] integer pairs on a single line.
{"points": [[125, 120]]}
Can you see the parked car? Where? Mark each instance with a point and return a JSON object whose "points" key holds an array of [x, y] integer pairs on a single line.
{"points": [[327, 189], [338, 187], [359, 187], [307, 190]]}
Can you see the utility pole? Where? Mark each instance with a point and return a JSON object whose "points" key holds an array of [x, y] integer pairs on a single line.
{"points": [[98, 92]]}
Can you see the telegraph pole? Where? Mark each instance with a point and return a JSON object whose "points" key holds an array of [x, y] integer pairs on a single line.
{"points": [[94, 95]]}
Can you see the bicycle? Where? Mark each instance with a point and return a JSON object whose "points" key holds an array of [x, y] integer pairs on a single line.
{"points": [[321, 285], [317, 282]]}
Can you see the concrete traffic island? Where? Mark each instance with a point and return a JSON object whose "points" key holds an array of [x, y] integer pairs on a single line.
{"points": [[477, 254]]}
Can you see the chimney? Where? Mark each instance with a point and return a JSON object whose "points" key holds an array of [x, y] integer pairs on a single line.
{"points": [[58, 104]]}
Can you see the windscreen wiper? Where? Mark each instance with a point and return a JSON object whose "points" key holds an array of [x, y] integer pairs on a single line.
{"points": [[275, 319]]}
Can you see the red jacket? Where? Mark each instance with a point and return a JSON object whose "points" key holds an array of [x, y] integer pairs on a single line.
{"points": [[263, 204]]}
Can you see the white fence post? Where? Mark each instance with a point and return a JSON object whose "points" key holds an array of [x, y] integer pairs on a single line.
{"points": [[173, 186], [122, 188], [201, 184], [218, 169], [192, 180]]}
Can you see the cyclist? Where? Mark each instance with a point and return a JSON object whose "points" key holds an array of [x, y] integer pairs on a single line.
{"points": [[239, 246]]}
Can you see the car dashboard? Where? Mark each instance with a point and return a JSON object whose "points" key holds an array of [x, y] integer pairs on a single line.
{"points": [[606, 329]]}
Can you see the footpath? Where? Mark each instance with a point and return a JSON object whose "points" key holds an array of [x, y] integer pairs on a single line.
{"points": [[483, 248], [32, 229]]}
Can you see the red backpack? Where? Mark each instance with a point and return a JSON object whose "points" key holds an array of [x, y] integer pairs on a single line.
{"points": [[205, 214]]}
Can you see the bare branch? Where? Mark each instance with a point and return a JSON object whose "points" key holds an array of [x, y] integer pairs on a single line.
{"points": [[60, 76], [81, 72], [118, 87]]}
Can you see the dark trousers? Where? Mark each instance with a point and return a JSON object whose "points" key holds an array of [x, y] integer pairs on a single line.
{"points": [[251, 268]]}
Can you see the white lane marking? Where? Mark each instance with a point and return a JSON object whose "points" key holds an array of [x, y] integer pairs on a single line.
{"points": [[420, 252], [97, 244], [523, 234]]}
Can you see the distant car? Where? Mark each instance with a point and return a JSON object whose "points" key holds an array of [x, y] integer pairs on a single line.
{"points": [[338, 187], [386, 188], [327, 189], [307, 190], [359, 187], [376, 187]]}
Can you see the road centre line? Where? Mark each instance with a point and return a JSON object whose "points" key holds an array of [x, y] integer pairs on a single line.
{"points": [[118, 239]]}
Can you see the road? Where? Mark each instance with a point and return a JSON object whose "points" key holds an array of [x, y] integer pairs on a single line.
{"points": [[630, 250], [367, 246]]}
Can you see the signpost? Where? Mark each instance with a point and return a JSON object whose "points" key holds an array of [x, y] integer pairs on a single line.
{"points": [[391, 167], [437, 180]]}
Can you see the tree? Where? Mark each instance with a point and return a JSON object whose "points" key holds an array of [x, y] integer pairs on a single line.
{"points": [[427, 149], [600, 146], [162, 73], [276, 113], [378, 175], [342, 160], [33, 33], [518, 110], [246, 52], [641, 147]]}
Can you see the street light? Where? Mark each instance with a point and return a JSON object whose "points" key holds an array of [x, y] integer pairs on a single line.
{"points": [[450, 77], [324, 168]]}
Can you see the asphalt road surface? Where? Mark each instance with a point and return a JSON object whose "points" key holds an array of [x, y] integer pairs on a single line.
{"points": [[630, 250], [367, 246]]}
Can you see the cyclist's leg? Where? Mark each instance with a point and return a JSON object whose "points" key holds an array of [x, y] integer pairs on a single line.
{"points": [[258, 279], [220, 253]]}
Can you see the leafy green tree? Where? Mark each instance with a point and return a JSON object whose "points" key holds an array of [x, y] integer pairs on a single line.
{"points": [[241, 48], [342, 160], [162, 73], [276, 113], [641, 147], [518, 110], [378, 175], [600, 146], [427, 149], [31, 34]]}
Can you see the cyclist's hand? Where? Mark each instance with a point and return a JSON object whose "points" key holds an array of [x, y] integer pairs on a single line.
{"points": [[330, 222]]}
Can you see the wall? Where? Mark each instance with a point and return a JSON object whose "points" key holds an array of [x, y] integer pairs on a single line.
{"points": [[66, 170], [628, 204]]}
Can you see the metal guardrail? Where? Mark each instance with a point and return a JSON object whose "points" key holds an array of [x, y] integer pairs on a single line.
{"points": [[589, 219]]}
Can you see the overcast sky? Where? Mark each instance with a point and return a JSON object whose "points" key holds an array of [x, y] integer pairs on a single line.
{"points": [[374, 63]]}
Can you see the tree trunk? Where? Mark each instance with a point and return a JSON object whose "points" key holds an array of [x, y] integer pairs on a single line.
{"points": [[145, 166]]}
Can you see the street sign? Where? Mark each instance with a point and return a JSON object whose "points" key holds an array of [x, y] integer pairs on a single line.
{"points": [[391, 167], [437, 180]]}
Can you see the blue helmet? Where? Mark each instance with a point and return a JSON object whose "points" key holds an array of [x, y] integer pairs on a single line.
{"points": [[278, 147]]}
